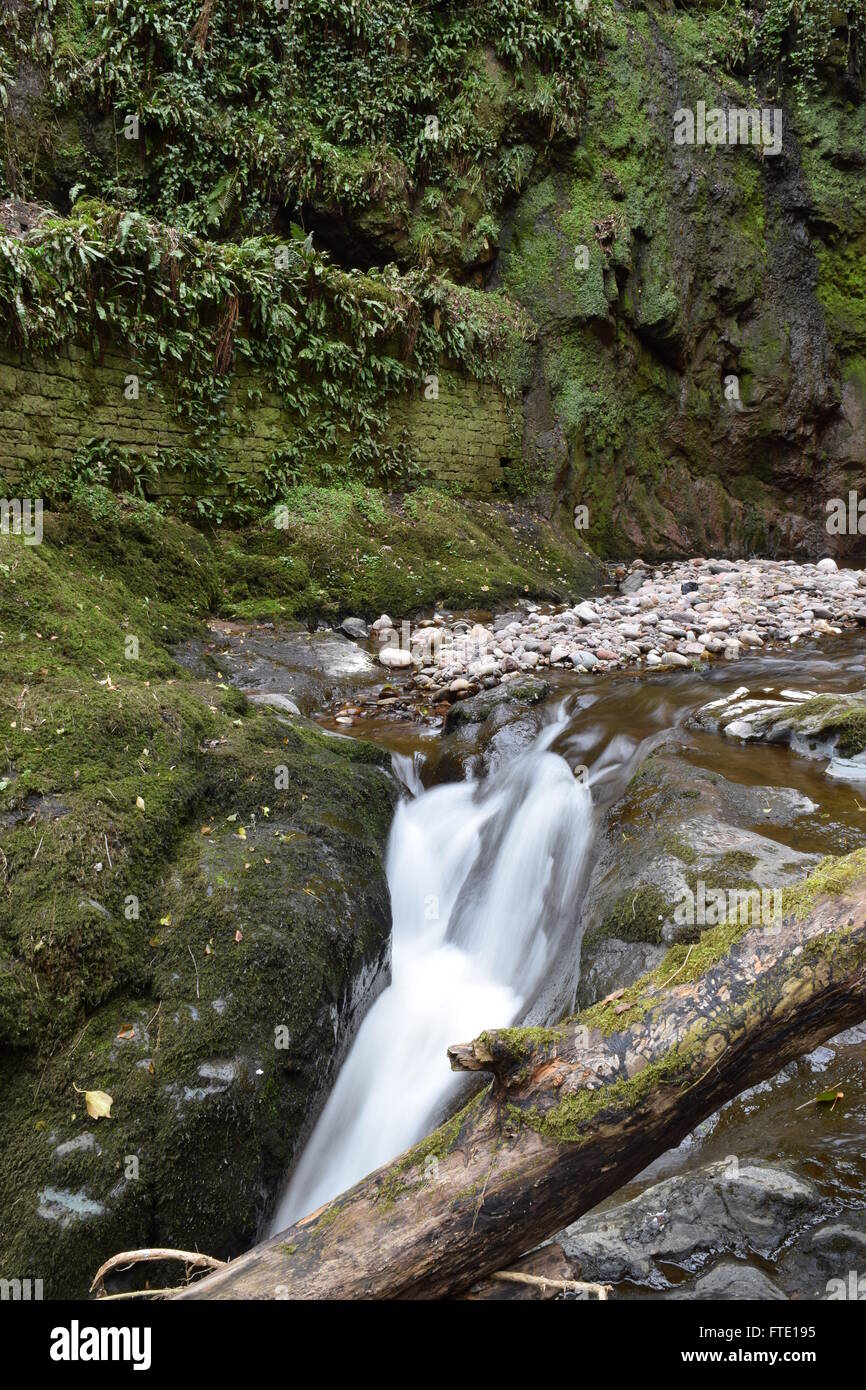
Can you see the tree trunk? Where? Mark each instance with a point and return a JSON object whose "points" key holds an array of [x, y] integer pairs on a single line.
{"points": [[574, 1112]]}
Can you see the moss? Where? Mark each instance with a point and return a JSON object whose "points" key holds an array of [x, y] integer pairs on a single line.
{"points": [[353, 550], [518, 1043], [637, 915], [833, 717], [575, 1119], [832, 877], [733, 869], [172, 1007], [680, 848]]}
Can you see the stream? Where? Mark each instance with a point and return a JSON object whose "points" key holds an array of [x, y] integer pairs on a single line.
{"points": [[489, 858]]}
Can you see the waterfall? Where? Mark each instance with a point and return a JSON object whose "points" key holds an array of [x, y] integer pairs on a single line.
{"points": [[485, 880]]}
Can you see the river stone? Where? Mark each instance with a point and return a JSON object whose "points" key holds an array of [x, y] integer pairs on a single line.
{"points": [[684, 1219], [276, 701], [730, 1279], [586, 613], [395, 658], [522, 690], [355, 628], [312, 667], [632, 582], [674, 659]]}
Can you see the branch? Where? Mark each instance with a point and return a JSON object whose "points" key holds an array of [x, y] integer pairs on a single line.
{"points": [[574, 1112]]}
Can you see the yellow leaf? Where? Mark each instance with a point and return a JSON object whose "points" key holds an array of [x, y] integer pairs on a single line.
{"points": [[139, 801], [166, 920], [241, 833], [98, 1103]]}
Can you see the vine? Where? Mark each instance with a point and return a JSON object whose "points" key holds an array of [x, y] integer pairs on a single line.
{"points": [[336, 346], [796, 38]]}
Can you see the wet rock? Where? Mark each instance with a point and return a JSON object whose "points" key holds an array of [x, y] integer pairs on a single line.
{"points": [[355, 628], [276, 701], [523, 690], [395, 658], [677, 836], [814, 725], [269, 938], [746, 1208], [734, 1280]]}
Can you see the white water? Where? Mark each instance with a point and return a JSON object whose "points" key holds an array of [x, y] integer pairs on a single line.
{"points": [[485, 883]]}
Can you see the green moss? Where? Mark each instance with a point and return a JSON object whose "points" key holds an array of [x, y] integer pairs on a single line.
{"points": [[680, 848], [575, 1119], [828, 716], [518, 1043], [637, 915], [832, 877], [351, 550]]}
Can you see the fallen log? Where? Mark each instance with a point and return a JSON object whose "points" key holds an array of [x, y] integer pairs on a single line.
{"points": [[575, 1111]]}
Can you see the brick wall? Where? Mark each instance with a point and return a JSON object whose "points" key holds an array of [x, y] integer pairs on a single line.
{"points": [[51, 406]]}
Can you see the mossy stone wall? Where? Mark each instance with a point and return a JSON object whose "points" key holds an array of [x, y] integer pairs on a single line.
{"points": [[50, 407]]}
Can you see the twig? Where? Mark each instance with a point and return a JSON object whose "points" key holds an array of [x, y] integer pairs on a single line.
{"points": [[682, 967], [189, 948], [539, 1281], [108, 852], [140, 1293], [133, 1257], [39, 846]]}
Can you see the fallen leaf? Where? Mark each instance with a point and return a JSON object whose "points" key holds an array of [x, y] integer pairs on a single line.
{"points": [[240, 833], [166, 920], [98, 1103], [239, 936], [206, 830], [139, 801], [125, 1034]]}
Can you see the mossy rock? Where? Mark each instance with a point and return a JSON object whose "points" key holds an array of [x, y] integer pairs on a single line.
{"points": [[193, 909]]}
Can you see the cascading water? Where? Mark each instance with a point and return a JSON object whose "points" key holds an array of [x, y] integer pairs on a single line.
{"points": [[485, 881]]}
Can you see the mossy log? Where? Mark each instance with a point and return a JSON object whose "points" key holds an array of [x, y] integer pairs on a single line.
{"points": [[574, 1112]]}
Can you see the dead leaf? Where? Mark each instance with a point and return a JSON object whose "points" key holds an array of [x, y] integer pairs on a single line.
{"points": [[139, 801], [98, 1103]]}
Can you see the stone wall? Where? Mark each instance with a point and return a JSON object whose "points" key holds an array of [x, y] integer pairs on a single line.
{"points": [[50, 407]]}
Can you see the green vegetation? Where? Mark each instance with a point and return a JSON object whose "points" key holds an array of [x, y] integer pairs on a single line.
{"points": [[334, 345], [349, 549], [242, 103], [795, 41], [164, 902]]}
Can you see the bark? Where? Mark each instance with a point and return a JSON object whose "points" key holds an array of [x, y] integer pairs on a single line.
{"points": [[574, 1112]]}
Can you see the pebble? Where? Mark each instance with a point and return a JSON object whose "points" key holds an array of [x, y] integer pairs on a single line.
{"points": [[667, 617]]}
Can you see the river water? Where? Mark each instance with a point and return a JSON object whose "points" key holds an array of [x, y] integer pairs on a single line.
{"points": [[488, 860]]}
